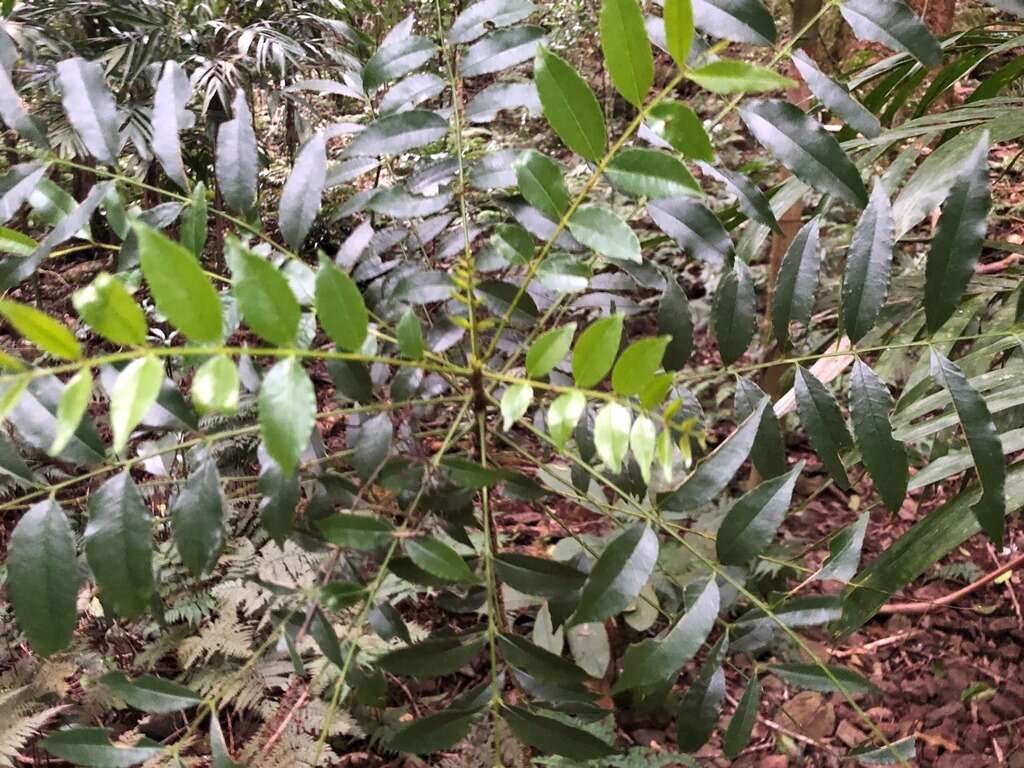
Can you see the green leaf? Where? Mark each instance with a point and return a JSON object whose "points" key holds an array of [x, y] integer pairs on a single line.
{"points": [[371, 443], [170, 117], [90, 107], [92, 747], [737, 735], [650, 173], [134, 393], [215, 386], [700, 705], [13, 109], [109, 308], [151, 694], [797, 281], [674, 320], [733, 76], [604, 232], [409, 334], [355, 531], [611, 435], [652, 662], [540, 182], [733, 311], [627, 51], [500, 50], [549, 350], [596, 350], [300, 198], [714, 473], [562, 416], [894, 25], [218, 747], [264, 296], [901, 752], [751, 523], [118, 546], [197, 515], [287, 412], [433, 658], [433, 732], [238, 158], [552, 736], [474, 20], [570, 106], [844, 551], [959, 238], [70, 410], [885, 457], [694, 227], [642, 443], [983, 440], [341, 308], [679, 29], [638, 364], [396, 58], [539, 576], [868, 266], [42, 580], [836, 97], [513, 242], [16, 243], [181, 291], [192, 232], [811, 677], [514, 402], [618, 575], [41, 329], [769, 451], [682, 128], [801, 144], [749, 197], [824, 422], [742, 21], [398, 133], [438, 559], [539, 663]]}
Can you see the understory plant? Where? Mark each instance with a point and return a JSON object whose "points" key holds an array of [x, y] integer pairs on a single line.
{"points": [[282, 439]]}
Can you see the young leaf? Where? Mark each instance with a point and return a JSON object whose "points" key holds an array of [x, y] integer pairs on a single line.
{"points": [[638, 364], [737, 735], [151, 694], [552, 736], [894, 25], [562, 416], [611, 435], [642, 439], [433, 732], [300, 198], [824, 423], [438, 559], [807, 149], [541, 183], [982, 439], [733, 312], [42, 581], [679, 29], [118, 546], [134, 393], [742, 21], [797, 282], [868, 266], [836, 97], [569, 106], [106, 305], [750, 525], [604, 232], [596, 350], [410, 335], [181, 291], [618, 575], [885, 457], [733, 76], [197, 516], [73, 402], [41, 329], [959, 238], [514, 402], [215, 386], [341, 308], [627, 51], [90, 107], [170, 117], [237, 158], [398, 133], [682, 128], [650, 173], [264, 296], [287, 411], [549, 350]]}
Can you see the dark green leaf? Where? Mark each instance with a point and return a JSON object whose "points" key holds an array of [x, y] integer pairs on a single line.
{"points": [[627, 51], [539, 663], [238, 158], [694, 227], [844, 551], [92, 747], [894, 25], [90, 107], [192, 233], [541, 183], [151, 694], [434, 732], [280, 497], [300, 198], [682, 128], [750, 525], [824, 423], [370, 442], [552, 736], [42, 581], [749, 197], [737, 735], [811, 677], [733, 311], [836, 97], [409, 334], [742, 21], [433, 658], [618, 575], [868, 266], [550, 349], [287, 412], [733, 76], [700, 705], [396, 58], [769, 451], [33, 416], [674, 320], [119, 547], [109, 308], [650, 173], [438, 559], [500, 50], [355, 531], [596, 350], [197, 514], [398, 133], [570, 106], [539, 576], [797, 282], [638, 364], [603, 231], [885, 457], [264, 296]]}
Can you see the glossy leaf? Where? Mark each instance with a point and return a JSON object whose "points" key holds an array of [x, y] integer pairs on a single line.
{"points": [[92, 747], [197, 516], [550, 348], [434, 657], [733, 76], [751, 523], [679, 29], [90, 107], [811, 677], [749, 197], [836, 98], [541, 183], [893, 24], [433, 732], [737, 735], [844, 551], [797, 281], [15, 116], [237, 158], [170, 117], [409, 335], [733, 312], [769, 451], [596, 350], [537, 575], [611, 435], [355, 531], [109, 308], [569, 105], [150, 693], [398, 133], [742, 21], [41, 329], [474, 20], [134, 393], [824, 422], [553, 736], [627, 51], [618, 575], [682, 128], [287, 412], [397, 56], [514, 403], [603, 231], [539, 663], [694, 227], [868, 266], [675, 320], [650, 173], [501, 50], [300, 198], [700, 706], [438, 559], [264, 296], [215, 386], [341, 308], [884, 456]]}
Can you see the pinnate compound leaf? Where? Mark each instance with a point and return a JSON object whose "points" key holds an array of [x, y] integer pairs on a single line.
{"points": [[611, 435], [434, 657], [694, 227], [15, 116], [90, 107], [824, 422], [750, 525], [627, 51], [682, 128], [642, 440], [197, 516], [300, 198], [797, 281], [538, 575], [501, 49], [742, 21], [134, 393], [569, 106], [342, 311], [41, 329], [109, 308], [264, 296], [182, 293], [397, 56], [150, 693], [474, 21], [409, 334], [884, 456], [287, 412], [42, 581], [808, 150], [893, 24], [844, 551], [549, 350], [983, 441], [679, 29], [638, 364], [959, 238], [749, 197], [737, 735], [836, 97], [619, 574], [596, 350], [238, 158], [733, 76], [552, 736], [119, 546], [868, 266]]}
